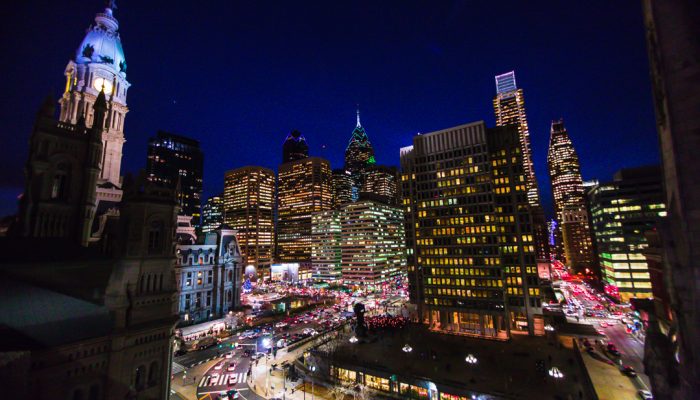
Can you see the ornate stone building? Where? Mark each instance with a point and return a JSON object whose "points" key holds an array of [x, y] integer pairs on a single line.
{"points": [[208, 276], [92, 322]]}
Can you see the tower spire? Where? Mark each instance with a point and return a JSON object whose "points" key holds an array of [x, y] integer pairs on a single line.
{"points": [[358, 116]]}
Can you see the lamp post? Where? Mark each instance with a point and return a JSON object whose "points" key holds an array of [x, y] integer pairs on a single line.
{"points": [[471, 359], [313, 370]]}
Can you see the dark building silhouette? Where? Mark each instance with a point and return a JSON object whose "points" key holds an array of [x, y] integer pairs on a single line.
{"points": [[173, 161], [294, 147], [672, 348]]}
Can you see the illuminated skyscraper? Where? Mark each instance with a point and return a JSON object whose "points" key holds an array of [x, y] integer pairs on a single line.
{"points": [[359, 154], [303, 188], [325, 245], [622, 211], [468, 220], [509, 106], [569, 201], [172, 160], [342, 187], [213, 213], [294, 147], [381, 183], [249, 194], [372, 243]]}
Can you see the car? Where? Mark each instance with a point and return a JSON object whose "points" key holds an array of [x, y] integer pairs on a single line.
{"points": [[614, 352], [218, 366], [231, 395], [231, 367], [629, 371], [645, 395], [229, 355], [180, 352]]}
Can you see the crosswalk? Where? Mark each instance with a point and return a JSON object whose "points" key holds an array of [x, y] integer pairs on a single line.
{"points": [[222, 380], [177, 368]]}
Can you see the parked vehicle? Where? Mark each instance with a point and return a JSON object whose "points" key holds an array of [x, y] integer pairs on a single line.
{"points": [[629, 371]]}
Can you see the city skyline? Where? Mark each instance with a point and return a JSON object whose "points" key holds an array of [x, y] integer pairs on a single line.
{"points": [[229, 130]]}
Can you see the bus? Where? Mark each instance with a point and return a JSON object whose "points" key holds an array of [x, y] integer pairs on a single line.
{"points": [[204, 343]]}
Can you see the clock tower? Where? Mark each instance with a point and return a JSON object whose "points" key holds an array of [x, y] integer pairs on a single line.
{"points": [[99, 65]]}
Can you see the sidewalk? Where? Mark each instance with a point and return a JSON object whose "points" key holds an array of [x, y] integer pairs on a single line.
{"points": [[274, 385]]}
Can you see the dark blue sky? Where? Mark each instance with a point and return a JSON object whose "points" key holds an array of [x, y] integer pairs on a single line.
{"points": [[239, 76]]}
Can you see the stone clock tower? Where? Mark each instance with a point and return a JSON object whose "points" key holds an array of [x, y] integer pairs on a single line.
{"points": [[99, 65]]}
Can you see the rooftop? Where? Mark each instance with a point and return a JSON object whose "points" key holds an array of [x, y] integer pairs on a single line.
{"points": [[503, 369]]}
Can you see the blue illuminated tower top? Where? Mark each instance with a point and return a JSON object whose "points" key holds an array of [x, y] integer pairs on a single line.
{"points": [[506, 82]]}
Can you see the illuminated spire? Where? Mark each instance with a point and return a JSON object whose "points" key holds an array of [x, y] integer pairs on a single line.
{"points": [[358, 116]]}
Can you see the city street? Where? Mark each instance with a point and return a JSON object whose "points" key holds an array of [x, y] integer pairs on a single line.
{"points": [[585, 306]]}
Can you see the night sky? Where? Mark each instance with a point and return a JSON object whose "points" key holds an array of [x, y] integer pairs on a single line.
{"points": [[238, 76]]}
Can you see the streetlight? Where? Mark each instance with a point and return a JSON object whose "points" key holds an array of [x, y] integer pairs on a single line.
{"points": [[313, 369], [554, 372], [353, 339], [549, 328], [471, 359], [407, 348]]}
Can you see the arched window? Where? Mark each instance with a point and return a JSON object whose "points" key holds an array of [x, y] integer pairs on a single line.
{"points": [[59, 185], [140, 377], [160, 284], [148, 283], [94, 393], [153, 373], [230, 276], [155, 237]]}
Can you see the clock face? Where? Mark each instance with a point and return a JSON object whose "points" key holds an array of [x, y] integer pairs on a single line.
{"points": [[100, 83]]}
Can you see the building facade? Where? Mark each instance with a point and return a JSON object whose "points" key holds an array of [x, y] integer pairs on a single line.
{"points": [[373, 241], [208, 277], [381, 183], [303, 188], [569, 201], [326, 253], [177, 161], [622, 211], [468, 219], [671, 355], [213, 213], [249, 195], [103, 316], [343, 191]]}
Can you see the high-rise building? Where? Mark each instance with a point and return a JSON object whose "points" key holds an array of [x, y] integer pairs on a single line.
{"points": [[569, 200], [622, 211], [249, 196], [326, 245], [381, 183], [177, 161], [342, 187], [509, 106], [468, 220], [213, 213], [672, 347], [294, 147], [372, 243], [303, 188], [359, 154], [99, 65]]}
